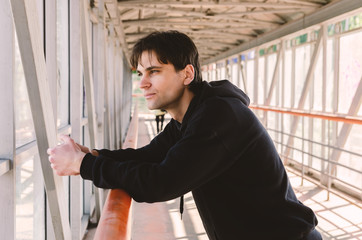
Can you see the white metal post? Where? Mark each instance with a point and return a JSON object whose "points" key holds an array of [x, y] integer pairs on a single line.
{"points": [[31, 49], [51, 70], [51, 50], [99, 72], [76, 106], [88, 81], [7, 128], [256, 75]]}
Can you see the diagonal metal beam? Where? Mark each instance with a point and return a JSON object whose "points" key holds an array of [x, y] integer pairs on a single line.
{"points": [[346, 128], [236, 20], [250, 4], [31, 50], [241, 74], [304, 93], [7, 125], [119, 26], [275, 74], [188, 13]]}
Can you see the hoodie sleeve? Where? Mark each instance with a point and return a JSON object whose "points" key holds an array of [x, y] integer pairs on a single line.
{"points": [[203, 153], [155, 151]]}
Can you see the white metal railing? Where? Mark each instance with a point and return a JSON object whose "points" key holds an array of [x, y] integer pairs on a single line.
{"points": [[299, 155]]}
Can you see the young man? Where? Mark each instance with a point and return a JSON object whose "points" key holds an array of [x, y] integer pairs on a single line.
{"points": [[214, 146]]}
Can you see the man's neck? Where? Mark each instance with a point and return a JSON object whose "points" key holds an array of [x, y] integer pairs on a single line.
{"points": [[179, 112]]}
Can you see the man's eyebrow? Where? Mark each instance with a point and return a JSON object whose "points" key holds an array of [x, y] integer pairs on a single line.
{"points": [[152, 67]]}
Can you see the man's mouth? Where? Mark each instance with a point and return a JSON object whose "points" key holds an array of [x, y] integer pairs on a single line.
{"points": [[149, 95]]}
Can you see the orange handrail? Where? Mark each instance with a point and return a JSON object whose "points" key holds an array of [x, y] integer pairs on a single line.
{"points": [[351, 120], [115, 218]]}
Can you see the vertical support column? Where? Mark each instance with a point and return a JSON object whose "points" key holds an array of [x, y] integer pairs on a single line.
{"points": [[324, 89], [31, 49], [111, 63], [292, 85], [76, 106], [256, 75], [228, 74], [310, 121], [242, 74], [51, 69], [88, 81], [334, 125], [114, 89], [118, 95], [209, 73], [282, 104], [99, 72], [88, 76], [107, 120], [51, 49], [121, 79], [7, 128]]}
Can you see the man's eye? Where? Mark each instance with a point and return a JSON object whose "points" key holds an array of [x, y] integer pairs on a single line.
{"points": [[154, 71], [139, 74]]}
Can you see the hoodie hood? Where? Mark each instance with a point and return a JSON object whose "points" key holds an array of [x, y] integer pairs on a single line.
{"points": [[222, 88]]}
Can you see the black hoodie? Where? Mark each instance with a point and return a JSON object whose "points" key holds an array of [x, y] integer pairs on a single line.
{"points": [[221, 153]]}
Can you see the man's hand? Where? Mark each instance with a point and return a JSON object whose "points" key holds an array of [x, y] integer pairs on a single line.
{"points": [[86, 150], [66, 158]]}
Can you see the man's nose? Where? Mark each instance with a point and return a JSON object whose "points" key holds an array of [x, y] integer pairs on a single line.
{"points": [[145, 82]]}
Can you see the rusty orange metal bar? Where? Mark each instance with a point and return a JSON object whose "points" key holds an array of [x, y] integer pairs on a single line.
{"points": [[115, 218], [351, 120]]}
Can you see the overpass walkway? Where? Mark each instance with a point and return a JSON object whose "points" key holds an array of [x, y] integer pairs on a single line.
{"points": [[339, 216]]}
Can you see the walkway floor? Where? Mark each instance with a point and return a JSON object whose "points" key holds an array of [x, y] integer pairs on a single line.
{"points": [[338, 218]]}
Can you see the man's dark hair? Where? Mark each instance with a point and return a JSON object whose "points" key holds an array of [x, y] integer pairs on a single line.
{"points": [[171, 47]]}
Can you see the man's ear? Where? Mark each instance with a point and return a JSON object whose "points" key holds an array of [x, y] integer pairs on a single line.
{"points": [[190, 74]]}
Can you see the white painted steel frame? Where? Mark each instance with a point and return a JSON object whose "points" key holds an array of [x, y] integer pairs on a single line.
{"points": [[41, 78], [306, 88], [328, 12], [79, 216], [30, 44], [51, 53], [335, 139], [4, 166], [99, 70], [346, 128], [7, 122], [88, 82]]}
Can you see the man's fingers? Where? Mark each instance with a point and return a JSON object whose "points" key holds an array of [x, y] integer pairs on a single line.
{"points": [[83, 148], [66, 139], [94, 153], [50, 151]]}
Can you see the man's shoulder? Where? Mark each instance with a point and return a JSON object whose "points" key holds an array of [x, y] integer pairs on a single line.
{"points": [[219, 104], [213, 110]]}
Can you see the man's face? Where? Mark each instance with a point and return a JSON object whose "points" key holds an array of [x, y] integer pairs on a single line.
{"points": [[163, 87]]}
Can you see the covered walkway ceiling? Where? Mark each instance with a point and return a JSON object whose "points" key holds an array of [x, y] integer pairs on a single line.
{"points": [[218, 27]]}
